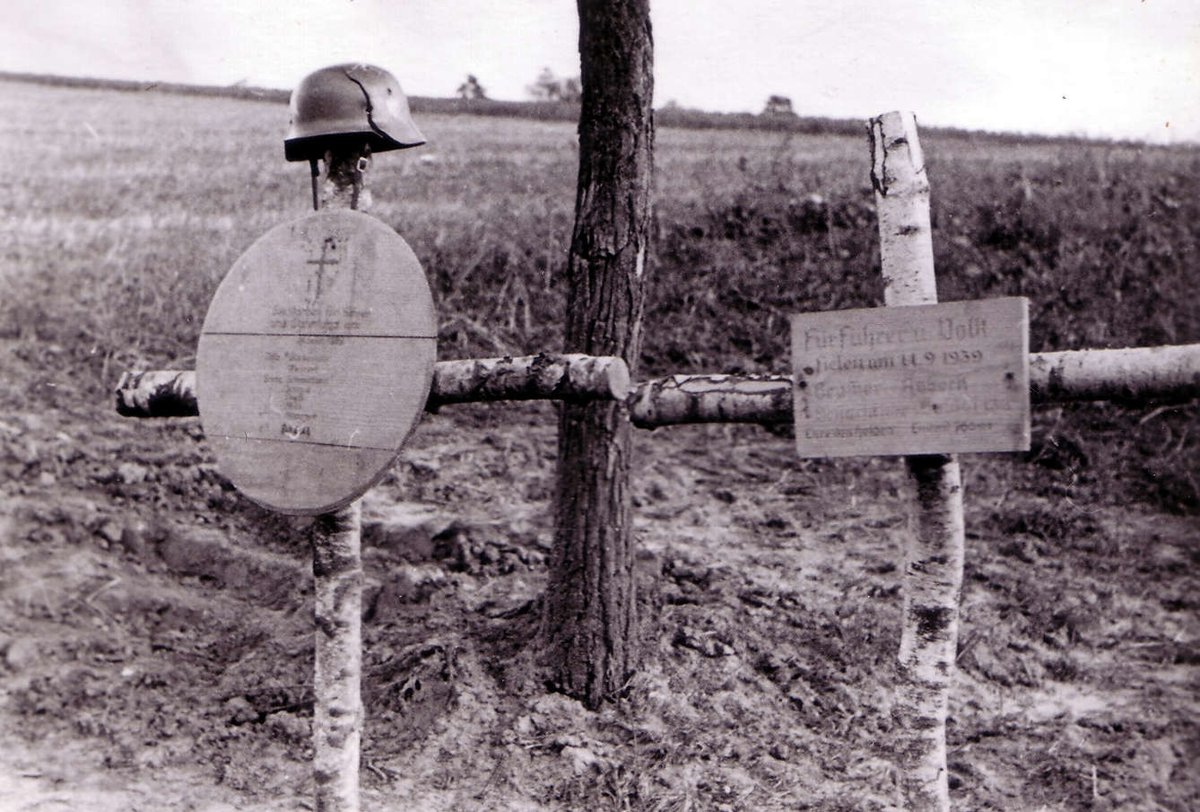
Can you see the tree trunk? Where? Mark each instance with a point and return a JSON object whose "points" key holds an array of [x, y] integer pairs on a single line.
{"points": [[933, 560], [933, 573], [337, 588], [682, 399], [589, 624], [337, 670], [1135, 375]]}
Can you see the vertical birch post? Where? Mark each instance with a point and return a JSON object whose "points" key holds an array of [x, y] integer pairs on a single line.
{"points": [[337, 588], [337, 710], [933, 559]]}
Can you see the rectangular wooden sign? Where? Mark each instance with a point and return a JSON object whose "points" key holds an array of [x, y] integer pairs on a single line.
{"points": [[925, 379]]}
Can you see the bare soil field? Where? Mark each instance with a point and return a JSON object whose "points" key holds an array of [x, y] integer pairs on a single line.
{"points": [[155, 628]]}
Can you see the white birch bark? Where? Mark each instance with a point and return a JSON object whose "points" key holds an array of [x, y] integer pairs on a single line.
{"points": [[933, 560], [572, 376], [546, 376], [712, 399], [337, 588], [337, 673], [1132, 375]]}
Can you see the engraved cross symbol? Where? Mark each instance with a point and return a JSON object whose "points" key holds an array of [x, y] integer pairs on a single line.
{"points": [[321, 263]]}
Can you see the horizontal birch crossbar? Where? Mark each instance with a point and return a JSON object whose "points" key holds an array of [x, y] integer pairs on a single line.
{"points": [[577, 377], [1133, 375]]}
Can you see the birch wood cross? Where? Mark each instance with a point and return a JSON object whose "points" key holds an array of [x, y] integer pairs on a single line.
{"points": [[933, 556]]}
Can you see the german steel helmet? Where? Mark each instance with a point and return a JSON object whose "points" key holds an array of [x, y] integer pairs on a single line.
{"points": [[345, 103]]}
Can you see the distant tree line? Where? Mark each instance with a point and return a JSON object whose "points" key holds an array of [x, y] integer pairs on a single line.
{"points": [[238, 90], [671, 115]]}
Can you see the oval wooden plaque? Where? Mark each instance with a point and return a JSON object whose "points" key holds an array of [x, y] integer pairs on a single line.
{"points": [[315, 361]]}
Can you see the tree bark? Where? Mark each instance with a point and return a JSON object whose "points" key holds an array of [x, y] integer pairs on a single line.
{"points": [[532, 377], [933, 560], [933, 573], [589, 623], [1135, 375], [546, 376], [337, 613], [337, 587], [681, 399]]}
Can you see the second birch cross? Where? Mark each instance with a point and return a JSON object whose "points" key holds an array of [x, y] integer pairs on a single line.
{"points": [[933, 556]]}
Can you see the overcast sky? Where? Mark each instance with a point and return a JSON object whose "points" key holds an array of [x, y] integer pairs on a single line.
{"points": [[1124, 68]]}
